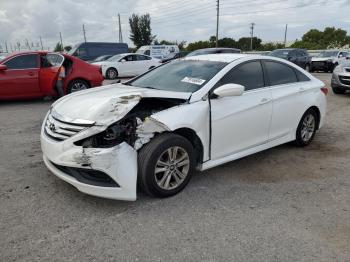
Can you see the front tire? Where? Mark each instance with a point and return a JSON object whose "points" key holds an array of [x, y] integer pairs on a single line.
{"points": [[111, 73], [165, 165], [308, 68], [307, 128]]}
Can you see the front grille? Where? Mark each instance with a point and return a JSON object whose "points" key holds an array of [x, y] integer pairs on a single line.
{"points": [[88, 176], [318, 63], [59, 130], [345, 80]]}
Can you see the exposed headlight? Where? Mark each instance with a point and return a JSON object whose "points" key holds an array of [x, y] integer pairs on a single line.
{"points": [[122, 131]]}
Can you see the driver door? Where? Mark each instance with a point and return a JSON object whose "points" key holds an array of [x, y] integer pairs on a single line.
{"points": [[241, 122]]}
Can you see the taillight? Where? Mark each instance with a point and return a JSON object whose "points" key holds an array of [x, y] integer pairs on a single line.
{"points": [[324, 90]]}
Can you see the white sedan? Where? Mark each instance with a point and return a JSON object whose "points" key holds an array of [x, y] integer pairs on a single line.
{"points": [[196, 113], [129, 64]]}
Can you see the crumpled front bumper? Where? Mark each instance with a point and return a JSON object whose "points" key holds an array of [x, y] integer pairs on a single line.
{"points": [[118, 162]]}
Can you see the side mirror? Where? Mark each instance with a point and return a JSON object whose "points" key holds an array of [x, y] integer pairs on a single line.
{"points": [[3, 67], [229, 90], [122, 60]]}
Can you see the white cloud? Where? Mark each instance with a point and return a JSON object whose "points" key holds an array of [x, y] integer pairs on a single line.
{"points": [[189, 20]]}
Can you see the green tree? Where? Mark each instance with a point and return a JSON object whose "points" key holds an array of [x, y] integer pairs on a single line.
{"points": [[58, 47], [270, 46], [330, 37], [140, 27], [244, 43]]}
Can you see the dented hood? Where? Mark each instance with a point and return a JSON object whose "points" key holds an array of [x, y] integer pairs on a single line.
{"points": [[105, 105]]}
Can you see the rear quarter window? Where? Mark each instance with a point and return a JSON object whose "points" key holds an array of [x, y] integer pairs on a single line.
{"points": [[279, 74]]}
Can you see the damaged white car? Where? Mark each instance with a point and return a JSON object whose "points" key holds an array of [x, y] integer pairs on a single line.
{"points": [[196, 113]]}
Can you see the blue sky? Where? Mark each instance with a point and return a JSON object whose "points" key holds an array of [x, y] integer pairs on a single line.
{"points": [[188, 20]]}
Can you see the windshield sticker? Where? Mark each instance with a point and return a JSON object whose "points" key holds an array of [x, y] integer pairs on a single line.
{"points": [[191, 80]]}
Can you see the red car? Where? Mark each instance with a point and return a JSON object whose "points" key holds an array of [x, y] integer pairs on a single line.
{"points": [[39, 74]]}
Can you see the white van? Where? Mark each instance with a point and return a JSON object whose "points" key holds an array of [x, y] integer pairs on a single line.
{"points": [[158, 51]]}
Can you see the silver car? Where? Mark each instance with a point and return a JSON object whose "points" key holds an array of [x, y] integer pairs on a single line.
{"points": [[341, 77]]}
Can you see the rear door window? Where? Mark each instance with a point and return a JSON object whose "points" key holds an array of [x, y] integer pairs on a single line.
{"points": [[279, 74], [51, 60], [29, 61]]}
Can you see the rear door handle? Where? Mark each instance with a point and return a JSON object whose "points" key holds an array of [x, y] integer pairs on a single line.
{"points": [[31, 73], [264, 101], [302, 89]]}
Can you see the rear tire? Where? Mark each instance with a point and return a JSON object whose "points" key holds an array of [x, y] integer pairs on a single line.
{"points": [[307, 128], [165, 165], [77, 85], [111, 73]]}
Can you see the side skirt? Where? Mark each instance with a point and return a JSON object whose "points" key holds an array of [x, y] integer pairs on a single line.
{"points": [[216, 162]]}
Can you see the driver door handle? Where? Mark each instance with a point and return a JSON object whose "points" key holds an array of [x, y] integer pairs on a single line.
{"points": [[30, 73], [264, 101]]}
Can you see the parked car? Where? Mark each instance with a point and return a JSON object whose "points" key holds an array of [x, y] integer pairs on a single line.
{"points": [[158, 51], [38, 74], [219, 50], [195, 113], [341, 77], [297, 56], [90, 50], [128, 64], [100, 58], [174, 56], [327, 60]]}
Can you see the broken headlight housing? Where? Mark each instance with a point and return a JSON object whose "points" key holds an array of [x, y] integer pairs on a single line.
{"points": [[122, 131]]}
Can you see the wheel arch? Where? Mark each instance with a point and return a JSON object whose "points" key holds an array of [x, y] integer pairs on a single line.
{"points": [[194, 139], [318, 113]]}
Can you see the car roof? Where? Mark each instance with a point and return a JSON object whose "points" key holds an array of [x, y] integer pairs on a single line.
{"points": [[227, 57]]}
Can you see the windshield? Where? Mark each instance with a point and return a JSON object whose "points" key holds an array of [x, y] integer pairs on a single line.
{"points": [[115, 58], [279, 53], [180, 76], [328, 54]]}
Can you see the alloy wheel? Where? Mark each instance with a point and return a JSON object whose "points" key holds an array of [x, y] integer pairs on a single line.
{"points": [[78, 86], [172, 168], [308, 127]]}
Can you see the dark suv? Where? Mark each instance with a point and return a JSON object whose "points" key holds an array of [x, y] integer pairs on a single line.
{"points": [[297, 56]]}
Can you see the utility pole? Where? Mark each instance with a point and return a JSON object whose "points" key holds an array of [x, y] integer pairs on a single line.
{"points": [[285, 35], [217, 22], [61, 41], [120, 30], [41, 43], [251, 35], [84, 33]]}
